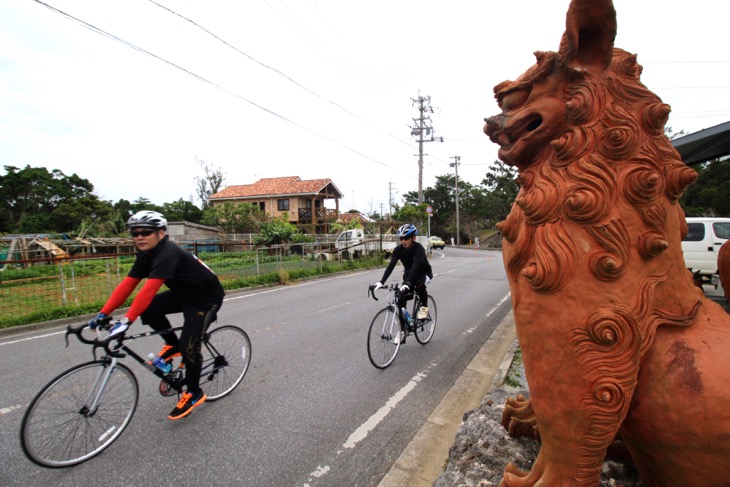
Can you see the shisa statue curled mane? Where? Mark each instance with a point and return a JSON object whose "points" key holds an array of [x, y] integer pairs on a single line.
{"points": [[616, 339]]}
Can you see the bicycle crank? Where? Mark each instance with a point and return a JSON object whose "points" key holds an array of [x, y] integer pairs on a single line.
{"points": [[171, 388]]}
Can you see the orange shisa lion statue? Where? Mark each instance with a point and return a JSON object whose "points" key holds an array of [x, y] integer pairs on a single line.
{"points": [[617, 342]]}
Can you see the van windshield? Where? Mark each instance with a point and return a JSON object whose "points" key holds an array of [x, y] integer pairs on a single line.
{"points": [[721, 229]]}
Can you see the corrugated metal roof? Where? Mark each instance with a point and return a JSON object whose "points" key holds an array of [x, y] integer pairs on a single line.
{"points": [[705, 145]]}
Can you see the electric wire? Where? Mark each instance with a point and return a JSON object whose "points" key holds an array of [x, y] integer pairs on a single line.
{"points": [[279, 72], [204, 80]]}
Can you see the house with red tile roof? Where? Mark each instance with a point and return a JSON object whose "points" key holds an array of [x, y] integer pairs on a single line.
{"points": [[302, 200]]}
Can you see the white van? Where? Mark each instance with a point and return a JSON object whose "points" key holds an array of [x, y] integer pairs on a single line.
{"points": [[702, 243]]}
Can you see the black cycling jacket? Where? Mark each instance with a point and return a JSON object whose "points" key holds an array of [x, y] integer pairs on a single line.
{"points": [[415, 264], [184, 274]]}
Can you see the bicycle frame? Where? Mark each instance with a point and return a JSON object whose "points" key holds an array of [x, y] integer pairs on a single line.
{"points": [[120, 350]]}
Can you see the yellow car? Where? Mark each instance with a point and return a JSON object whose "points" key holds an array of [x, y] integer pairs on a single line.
{"points": [[437, 242]]}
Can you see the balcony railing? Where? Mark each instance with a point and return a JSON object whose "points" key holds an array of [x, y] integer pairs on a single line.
{"points": [[321, 215]]}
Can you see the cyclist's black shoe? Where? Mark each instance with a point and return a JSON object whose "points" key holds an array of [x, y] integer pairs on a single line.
{"points": [[186, 404]]}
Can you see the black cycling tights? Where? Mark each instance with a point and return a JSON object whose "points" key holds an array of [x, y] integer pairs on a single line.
{"points": [[188, 344], [422, 296]]}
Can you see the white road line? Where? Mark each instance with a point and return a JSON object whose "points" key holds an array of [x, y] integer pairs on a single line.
{"points": [[34, 338], [9, 409], [362, 432]]}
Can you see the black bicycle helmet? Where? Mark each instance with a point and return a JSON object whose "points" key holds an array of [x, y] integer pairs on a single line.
{"points": [[147, 219], [407, 230]]}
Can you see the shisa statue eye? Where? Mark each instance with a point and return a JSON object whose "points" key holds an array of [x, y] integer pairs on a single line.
{"points": [[515, 99]]}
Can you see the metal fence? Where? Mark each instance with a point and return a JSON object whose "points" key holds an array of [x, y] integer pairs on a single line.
{"points": [[41, 285]]}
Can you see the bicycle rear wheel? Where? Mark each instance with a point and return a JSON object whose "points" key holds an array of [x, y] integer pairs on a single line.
{"points": [[426, 327], [383, 338], [226, 357], [61, 427]]}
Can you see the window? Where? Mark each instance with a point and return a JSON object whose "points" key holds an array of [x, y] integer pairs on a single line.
{"points": [[721, 229], [695, 233], [262, 205], [283, 205]]}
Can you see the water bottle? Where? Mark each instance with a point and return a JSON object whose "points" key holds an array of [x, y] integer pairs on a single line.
{"points": [[406, 314], [158, 362]]}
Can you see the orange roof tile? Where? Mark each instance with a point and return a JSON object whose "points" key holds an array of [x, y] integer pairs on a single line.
{"points": [[291, 185]]}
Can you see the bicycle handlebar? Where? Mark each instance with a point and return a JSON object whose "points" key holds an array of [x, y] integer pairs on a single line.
{"points": [[97, 342], [391, 287]]}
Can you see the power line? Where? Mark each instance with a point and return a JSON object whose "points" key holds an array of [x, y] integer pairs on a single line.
{"points": [[277, 71], [204, 80]]}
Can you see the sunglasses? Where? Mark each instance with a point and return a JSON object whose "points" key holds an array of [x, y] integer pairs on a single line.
{"points": [[143, 233], [405, 238]]}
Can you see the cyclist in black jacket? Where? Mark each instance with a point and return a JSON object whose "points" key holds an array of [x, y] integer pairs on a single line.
{"points": [[193, 290], [416, 268]]}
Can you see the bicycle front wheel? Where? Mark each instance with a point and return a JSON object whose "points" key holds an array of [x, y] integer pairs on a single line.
{"points": [[79, 413], [426, 327], [226, 357], [384, 338]]}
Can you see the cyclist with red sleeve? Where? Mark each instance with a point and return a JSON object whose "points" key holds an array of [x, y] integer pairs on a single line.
{"points": [[193, 290]]}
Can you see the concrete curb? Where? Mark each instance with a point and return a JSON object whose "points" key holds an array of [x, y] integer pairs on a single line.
{"points": [[425, 458]]}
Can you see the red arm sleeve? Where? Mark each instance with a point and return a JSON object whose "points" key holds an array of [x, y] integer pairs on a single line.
{"points": [[144, 298], [120, 294]]}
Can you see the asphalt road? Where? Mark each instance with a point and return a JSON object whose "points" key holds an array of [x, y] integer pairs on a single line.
{"points": [[312, 410]]}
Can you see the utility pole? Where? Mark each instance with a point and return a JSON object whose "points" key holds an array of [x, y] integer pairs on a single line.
{"points": [[424, 132], [390, 199], [455, 165]]}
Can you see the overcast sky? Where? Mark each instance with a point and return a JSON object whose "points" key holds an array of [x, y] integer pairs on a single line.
{"points": [[130, 93]]}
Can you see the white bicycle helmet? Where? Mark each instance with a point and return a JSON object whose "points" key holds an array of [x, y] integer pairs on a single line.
{"points": [[407, 230], [147, 219]]}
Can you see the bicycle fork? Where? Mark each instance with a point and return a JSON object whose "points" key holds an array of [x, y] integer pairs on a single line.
{"points": [[392, 324], [91, 403]]}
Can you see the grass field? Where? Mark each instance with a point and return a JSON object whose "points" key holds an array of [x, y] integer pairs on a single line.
{"points": [[77, 287]]}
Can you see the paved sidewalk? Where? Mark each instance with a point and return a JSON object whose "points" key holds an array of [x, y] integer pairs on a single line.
{"points": [[425, 458]]}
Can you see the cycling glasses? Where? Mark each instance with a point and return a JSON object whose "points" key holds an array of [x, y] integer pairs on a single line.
{"points": [[142, 233]]}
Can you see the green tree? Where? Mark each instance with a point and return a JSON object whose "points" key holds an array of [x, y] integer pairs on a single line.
{"points": [[501, 186], [709, 195], [70, 215], [234, 217], [182, 210], [410, 213], [34, 200], [209, 184], [143, 203], [277, 231]]}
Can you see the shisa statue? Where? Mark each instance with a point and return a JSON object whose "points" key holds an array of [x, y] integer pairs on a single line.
{"points": [[617, 342]]}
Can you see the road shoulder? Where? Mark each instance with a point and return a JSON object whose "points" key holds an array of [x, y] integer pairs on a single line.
{"points": [[425, 457]]}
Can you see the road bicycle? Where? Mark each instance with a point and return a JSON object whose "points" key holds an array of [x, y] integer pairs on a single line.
{"points": [[390, 326], [84, 409]]}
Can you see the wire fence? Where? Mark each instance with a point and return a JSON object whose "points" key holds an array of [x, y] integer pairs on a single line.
{"points": [[42, 287]]}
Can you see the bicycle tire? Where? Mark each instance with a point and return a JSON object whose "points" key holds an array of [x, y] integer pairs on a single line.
{"points": [[226, 357], [426, 327], [382, 343], [57, 428]]}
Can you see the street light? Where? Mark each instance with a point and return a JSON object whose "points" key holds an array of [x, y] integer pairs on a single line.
{"points": [[455, 165]]}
